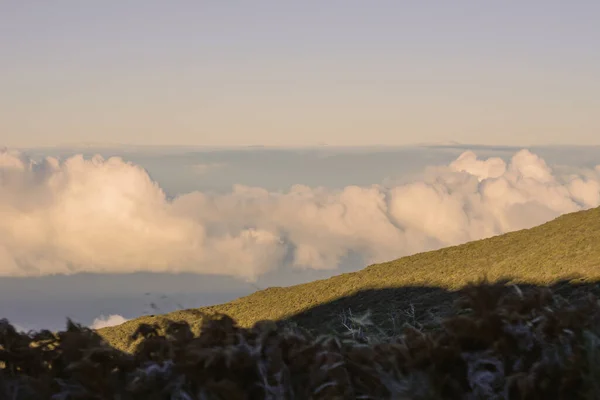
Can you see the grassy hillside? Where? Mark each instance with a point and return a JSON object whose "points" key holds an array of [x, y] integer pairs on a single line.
{"points": [[502, 342], [561, 249]]}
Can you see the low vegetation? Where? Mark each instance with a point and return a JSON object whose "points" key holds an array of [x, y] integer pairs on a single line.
{"points": [[499, 342]]}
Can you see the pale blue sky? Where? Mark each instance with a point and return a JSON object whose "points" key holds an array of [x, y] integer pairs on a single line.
{"points": [[299, 73]]}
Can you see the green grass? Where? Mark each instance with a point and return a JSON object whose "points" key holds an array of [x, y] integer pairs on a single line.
{"points": [[564, 248]]}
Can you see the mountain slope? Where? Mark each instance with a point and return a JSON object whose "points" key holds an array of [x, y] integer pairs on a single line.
{"points": [[563, 248]]}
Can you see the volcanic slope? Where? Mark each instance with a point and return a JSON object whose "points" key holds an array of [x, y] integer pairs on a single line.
{"points": [[416, 288]]}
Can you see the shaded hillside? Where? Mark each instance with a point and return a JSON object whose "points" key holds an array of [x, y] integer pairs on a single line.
{"points": [[563, 248], [499, 342]]}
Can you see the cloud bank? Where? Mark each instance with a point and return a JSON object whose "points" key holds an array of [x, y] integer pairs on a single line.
{"points": [[108, 216]]}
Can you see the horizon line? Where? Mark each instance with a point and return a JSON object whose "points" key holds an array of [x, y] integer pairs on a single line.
{"points": [[433, 144]]}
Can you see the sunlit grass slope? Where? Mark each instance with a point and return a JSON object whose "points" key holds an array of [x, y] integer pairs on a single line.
{"points": [[566, 247]]}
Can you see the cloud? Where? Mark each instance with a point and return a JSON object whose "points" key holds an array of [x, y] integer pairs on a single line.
{"points": [[111, 320], [107, 216], [20, 328], [493, 167]]}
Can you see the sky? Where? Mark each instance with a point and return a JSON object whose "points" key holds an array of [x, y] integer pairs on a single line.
{"points": [[157, 155], [273, 73]]}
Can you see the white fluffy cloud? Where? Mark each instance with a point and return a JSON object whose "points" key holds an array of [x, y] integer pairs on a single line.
{"points": [[103, 321], [107, 215]]}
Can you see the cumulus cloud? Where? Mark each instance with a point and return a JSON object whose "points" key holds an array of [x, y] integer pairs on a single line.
{"points": [[108, 216], [20, 328], [111, 320]]}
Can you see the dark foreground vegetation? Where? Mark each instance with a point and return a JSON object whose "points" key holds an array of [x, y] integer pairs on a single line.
{"points": [[493, 341]]}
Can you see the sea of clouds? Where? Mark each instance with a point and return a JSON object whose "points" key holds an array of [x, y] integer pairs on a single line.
{"points": [[108, 216]]}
